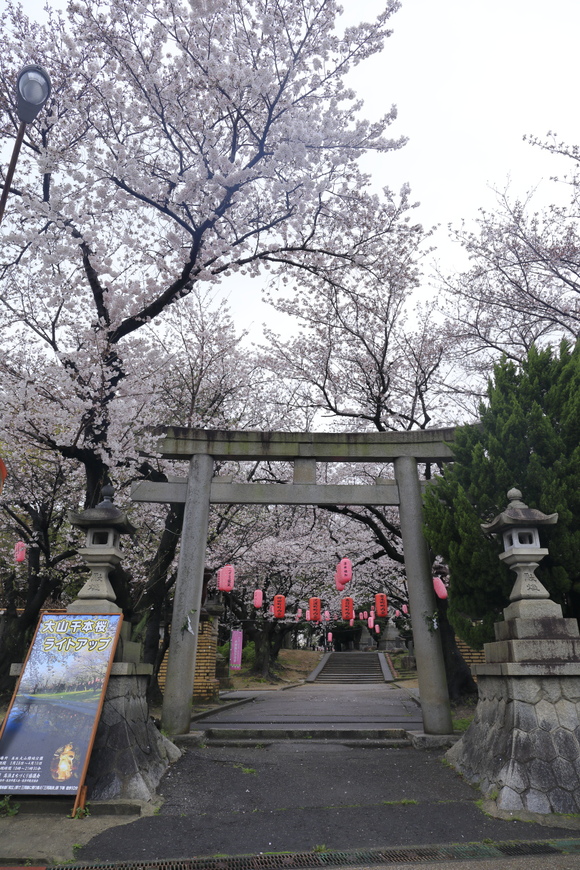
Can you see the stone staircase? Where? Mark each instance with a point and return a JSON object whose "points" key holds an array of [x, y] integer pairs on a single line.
{"points": [[353, 667]]}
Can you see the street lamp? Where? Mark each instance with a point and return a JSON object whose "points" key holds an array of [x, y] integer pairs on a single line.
{"points": [[32, 91]]}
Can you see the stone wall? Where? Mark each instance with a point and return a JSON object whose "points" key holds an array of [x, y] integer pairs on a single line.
{"points": [[206, 685], [469, 655], [523, 747]]}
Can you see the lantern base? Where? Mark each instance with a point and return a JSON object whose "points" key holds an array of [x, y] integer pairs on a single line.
{"points": [[93, 605], [522, 748]]}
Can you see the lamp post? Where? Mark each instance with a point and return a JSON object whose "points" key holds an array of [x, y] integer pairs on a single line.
{"points": [[33, 88]]}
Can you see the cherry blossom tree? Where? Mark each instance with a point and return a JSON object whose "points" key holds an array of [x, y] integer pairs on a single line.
{"points": [[33, 511], [361, 354], [194, 370], [182, 143], [294, 552], [358, 356], [522, 288]]}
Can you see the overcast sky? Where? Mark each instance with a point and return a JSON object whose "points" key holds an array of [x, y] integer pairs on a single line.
{"points": [[470, 78]]}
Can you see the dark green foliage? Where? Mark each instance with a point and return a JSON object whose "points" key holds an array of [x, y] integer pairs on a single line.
{"points": [[528, 437]]}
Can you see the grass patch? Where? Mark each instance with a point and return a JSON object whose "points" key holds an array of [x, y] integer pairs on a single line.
{"points": [[7, 806], [404, 802], [462, 724], [292, 666], [251, 770]]}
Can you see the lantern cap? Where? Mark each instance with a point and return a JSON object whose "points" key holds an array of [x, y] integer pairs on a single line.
{"points": [[104, 514], [517, 513]]}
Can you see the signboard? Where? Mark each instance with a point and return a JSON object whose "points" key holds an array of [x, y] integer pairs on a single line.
{"points": [[236, 644], [48, 732]]}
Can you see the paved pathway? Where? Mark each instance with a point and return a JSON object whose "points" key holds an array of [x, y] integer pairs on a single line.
{"points": [[299, 796], [295, 796], [314, 706]]}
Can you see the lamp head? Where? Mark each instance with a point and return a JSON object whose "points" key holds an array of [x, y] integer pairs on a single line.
{"points": [[33, 88]]}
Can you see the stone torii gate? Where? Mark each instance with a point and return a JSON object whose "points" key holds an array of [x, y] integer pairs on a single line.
{"points": [[200, 489]]}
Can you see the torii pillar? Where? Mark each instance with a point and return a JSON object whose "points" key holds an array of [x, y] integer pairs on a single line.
{"points": [[426, 638], [178, 694]]}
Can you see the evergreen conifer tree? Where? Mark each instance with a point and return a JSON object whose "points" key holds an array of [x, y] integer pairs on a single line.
{"points": [[528, 436]]}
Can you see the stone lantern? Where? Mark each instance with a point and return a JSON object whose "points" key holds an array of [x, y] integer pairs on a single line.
{"points": [[104, 525], [523, 747], [519, 526]]}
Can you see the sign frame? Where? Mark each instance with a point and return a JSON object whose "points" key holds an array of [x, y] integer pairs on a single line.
{"points": [[72, 655]]}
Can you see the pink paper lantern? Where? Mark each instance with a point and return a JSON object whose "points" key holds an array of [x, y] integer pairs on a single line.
{"points": [[3, 474], [327, 615], [439, 587], [19, 551], [329, 636], [397, 613], [351, 622], [366, 614], [361, 615], [344, 570], [405, 609], [299, 612], [258, 598], [226, 578], [371, 622], [307, 615], [377, 629]]}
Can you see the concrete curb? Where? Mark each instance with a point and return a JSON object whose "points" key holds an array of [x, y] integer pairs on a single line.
{"points": [[235, 703], [420, 740], [312, 676], [555, 820], [385, 667]]}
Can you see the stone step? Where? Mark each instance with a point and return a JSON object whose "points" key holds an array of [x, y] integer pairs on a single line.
{"points": [[328, 678], [351, 668], [386, 737], [353, 743], [353, 672]]}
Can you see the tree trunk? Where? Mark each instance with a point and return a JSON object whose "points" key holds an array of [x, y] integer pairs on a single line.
{"points": [[268, 640], [460, 683], [262, 662]]}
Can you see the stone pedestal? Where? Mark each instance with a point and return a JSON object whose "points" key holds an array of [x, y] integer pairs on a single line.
{"points": [[129, 755], [523, 746]]}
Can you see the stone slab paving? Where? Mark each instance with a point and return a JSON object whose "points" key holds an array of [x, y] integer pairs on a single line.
{"points": [[314, 706]]}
